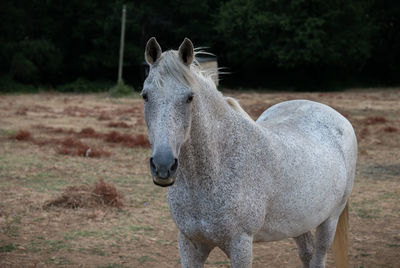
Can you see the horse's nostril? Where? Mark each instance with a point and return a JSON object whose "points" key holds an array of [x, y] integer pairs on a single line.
{"points": [[152, 165], [174, 165]]}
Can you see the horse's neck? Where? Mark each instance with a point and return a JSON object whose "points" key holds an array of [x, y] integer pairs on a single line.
{"points": [[213, 124]]}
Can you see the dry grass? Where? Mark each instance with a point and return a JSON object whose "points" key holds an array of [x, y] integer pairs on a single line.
{"points": [[69, 145], [390, 129], [44, 137], [22, 136], [99, 194], [73, 147], [127, 140], [373, 120], [118, 125]]}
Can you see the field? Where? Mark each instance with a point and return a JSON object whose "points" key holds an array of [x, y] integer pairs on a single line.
{"points": [[56, 212]]}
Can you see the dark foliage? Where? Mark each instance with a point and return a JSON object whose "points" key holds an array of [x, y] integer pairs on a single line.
{"points": [[72, 45]]}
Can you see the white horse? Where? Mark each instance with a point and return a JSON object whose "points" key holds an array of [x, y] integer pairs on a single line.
{"points": [[233, 181]]}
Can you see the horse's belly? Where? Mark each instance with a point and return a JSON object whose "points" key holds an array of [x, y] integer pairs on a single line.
{"points": [[302, 209], [291, 225]]}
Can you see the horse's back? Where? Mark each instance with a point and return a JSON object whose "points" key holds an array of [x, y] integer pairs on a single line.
{"points": [[299, 113], [309, 119]]}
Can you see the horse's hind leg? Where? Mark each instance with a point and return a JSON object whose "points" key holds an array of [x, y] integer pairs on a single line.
{"points": [[324, 236], [305, 247]]}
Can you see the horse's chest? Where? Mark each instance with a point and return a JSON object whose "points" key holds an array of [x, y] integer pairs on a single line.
{"points": [[204, 229], [204, 218]]}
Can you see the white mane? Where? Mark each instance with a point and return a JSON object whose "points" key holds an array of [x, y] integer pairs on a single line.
{"points": [[169, 65]]}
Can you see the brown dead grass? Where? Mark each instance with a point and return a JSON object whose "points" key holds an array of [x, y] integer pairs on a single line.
{"points": [[390, 129], [373, 120], [67, 146], [22, 111], [89, 132], [74, 147], [22, 135], [83, 196], [118, 125], [127, 140], [103, 117], [77, 111], [53, 130]]}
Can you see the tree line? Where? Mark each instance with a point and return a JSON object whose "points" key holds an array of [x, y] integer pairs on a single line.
{"points": [[263, 42]]}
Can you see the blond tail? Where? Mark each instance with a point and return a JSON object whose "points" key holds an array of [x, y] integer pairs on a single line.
{"points": [[341, 242]]}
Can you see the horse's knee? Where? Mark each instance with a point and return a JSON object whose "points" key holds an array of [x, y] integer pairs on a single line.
{"points": [[240, 252], [306, 257]]}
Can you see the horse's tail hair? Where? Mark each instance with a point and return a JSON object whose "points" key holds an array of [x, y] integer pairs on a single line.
{"points": [[341, 242]]}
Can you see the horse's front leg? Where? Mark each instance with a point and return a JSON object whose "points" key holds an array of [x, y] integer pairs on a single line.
{"points": [[192, 253], [241, 251]]}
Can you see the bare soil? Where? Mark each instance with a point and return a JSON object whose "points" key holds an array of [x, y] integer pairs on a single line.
{"points": [[52, 142]]}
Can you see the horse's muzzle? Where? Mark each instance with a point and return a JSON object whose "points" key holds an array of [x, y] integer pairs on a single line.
{"points": [[163, 165]]}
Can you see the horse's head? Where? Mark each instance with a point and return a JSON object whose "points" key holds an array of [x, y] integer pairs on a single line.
{"points": [[167, 99]]}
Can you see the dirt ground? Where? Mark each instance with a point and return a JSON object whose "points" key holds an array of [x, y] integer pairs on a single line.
{"points": [[49, 142]]}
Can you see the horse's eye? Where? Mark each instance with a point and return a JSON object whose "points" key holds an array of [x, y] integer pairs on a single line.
{"points": [[190, 98], [144, 96]]}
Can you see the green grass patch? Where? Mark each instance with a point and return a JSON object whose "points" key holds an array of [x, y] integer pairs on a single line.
{"points": [[367, 209], [7, 248], [112, 265], [367, 213], [225, 262], [56, 245], [5, 133], [144, 259], [365, 255], [58, 261], [93, 251], [84, 233], [393, 245], [165, 242], [137, 228], [11, 225]]}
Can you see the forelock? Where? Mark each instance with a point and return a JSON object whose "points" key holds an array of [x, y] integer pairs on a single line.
{"points": [[170, 66]]}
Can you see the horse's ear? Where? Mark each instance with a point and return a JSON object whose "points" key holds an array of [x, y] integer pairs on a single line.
{"points": [[186, 52], [152, 51]]}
